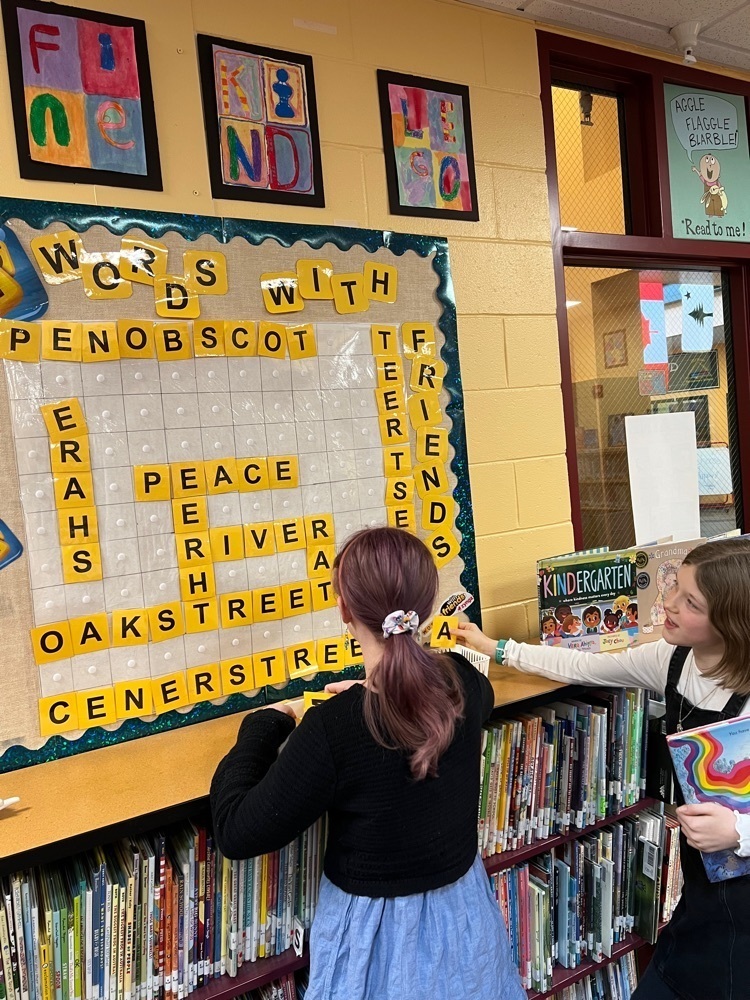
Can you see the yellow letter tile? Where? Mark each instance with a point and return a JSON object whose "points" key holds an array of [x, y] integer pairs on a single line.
{"points": [[381, 281], [51, 642], [314, 278], [166, 621], [281, 292], [58, 714], [20, 341], [173, 341], [173, 299], [349, 294], [205, 272], [203, 683], [268, 667], [237, 675], [82, 563], [133, 699], [136, 338], [96, 708], [240, 338], [61, 341], [169, 692]]}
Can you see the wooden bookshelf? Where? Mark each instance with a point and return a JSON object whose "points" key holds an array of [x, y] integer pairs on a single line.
{"points": [[252, 975], [135, 786], [562, 977], [506, 859]]}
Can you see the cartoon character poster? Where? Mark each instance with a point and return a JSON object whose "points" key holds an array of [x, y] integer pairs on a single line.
{"points": [[588, 600], [709, 164]]}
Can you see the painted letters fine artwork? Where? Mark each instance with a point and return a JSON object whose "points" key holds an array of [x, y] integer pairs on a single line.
{"points": [[81, 92], [261, 123], [429, 154]]}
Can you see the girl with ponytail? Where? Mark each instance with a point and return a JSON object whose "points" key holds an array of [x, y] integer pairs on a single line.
{"points": [[405, 907]]}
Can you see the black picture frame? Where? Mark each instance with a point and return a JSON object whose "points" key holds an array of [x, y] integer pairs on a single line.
{"points": [[397, 207], [38, 170], [231, 192]]}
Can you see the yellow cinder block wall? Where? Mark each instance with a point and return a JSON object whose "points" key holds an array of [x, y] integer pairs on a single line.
{"points": [[502, 265]]}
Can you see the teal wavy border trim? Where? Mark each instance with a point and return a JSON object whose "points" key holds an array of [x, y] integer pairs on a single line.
{"points": [[41, 214]]}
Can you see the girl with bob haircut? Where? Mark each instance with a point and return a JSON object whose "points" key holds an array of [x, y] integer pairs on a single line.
{"points": [[702, 665], [405, 906]]}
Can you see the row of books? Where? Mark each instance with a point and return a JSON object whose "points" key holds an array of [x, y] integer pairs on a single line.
{"points": [[616, 981], [280, 989], [566, 765], [577, 901], [152, 918]]}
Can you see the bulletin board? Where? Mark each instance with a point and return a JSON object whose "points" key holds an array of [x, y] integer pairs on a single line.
{"points": [[197, 412]]}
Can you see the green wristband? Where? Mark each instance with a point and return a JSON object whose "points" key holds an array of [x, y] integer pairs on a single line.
{"points": [[500, 651]]}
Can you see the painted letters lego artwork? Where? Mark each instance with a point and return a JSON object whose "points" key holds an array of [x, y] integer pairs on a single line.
{"points": [[197, 413], [261, 123], [81, 94], [428, 147]]}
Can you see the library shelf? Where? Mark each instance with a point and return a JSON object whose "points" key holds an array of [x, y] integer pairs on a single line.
{"points": [[506, 859], [562, 977], [253, 975], [129, 788]]}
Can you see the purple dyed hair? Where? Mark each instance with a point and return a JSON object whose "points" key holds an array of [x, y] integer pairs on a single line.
{"points": [[413, 697]]}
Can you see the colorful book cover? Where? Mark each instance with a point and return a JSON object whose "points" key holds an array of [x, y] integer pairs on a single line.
{"points": [[657, 567], [586, 600], [712, 764]]}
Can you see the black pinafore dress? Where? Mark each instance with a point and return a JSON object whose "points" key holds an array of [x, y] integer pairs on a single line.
{"points": [[704, 951]]}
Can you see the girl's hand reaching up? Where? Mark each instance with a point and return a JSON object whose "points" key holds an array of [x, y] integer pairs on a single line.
{"points": [[338, 686], [469, 634]]}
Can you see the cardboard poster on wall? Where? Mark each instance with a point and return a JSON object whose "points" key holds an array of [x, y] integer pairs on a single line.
{"points": [[197, 413], [709, 164]]}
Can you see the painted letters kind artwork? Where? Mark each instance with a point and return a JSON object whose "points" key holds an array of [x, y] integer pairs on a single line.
{"points": [[428, 147], [261, 123], [81, 96]]}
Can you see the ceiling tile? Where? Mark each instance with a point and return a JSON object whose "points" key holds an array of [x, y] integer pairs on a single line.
{"points": [[667, 12], [599, 23], [734, 30]]}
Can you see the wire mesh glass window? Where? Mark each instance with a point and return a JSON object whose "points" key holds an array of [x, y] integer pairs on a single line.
{"points": [[648, 342], [589, 149]]}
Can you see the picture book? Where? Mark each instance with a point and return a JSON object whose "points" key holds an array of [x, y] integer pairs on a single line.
{"points": [[712, 764], [656, 574], [588, 600]]}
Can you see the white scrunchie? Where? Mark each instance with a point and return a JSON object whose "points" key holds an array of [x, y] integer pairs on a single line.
{"points": [[398, 622]]}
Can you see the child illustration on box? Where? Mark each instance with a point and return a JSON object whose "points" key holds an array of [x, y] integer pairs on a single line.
{"points": [[549, 628], [592, 619], [561, 613], [611, 621], [631, 619], [572, 627]]}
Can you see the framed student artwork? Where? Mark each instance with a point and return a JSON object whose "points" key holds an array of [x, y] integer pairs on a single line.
{"points": [[615, 349], [80, 88], [201, 410], [261, 123], [429, 151]]}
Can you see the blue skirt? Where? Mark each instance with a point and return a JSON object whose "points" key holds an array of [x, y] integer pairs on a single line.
{"points": [[444, 944]]}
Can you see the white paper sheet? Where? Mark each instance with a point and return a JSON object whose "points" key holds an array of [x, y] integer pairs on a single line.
{"points": [[663, 466]]}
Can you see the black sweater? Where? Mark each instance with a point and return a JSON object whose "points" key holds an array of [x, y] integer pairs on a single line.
{"points": [[389, 835]]}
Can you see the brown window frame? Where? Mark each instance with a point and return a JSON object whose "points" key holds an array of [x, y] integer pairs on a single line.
{"points": [[651, 243]]}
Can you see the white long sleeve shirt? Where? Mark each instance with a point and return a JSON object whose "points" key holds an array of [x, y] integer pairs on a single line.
{"points": [[643, 666]]}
